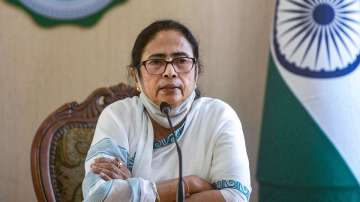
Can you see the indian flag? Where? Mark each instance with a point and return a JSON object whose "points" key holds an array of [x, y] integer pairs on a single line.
{"points": [[310, 137]]}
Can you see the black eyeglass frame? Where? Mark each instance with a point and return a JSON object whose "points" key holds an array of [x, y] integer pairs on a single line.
{"points": [[194, 61]]}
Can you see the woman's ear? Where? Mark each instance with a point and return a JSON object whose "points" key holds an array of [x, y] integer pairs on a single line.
{"points": [[134, 75], [132, 72]]}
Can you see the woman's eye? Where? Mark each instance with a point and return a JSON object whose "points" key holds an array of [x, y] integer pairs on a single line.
{"points": [[156, 62], [181, 60]]}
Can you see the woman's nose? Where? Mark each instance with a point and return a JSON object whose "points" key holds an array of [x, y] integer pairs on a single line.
{"points": [[170, 71]]}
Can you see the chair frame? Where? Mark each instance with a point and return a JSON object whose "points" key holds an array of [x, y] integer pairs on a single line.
{"points": [[85, 112]]}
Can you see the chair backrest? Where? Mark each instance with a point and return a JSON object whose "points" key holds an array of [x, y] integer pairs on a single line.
{"points": [[60, 145]]}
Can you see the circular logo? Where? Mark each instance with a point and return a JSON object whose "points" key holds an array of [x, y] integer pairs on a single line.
{"points": [[66, 9], [317, 38]]}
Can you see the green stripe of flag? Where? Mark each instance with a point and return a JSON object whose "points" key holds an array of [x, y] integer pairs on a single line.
{"points": [[296, 160]]}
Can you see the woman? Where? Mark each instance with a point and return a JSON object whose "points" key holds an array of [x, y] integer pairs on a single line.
{"points": [[132, 156]]}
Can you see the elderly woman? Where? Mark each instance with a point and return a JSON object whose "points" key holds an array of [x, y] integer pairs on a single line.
{"points": [[132, 156]]}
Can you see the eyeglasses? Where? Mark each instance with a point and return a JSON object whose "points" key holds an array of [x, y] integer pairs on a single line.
{"points": [[158, 66]]}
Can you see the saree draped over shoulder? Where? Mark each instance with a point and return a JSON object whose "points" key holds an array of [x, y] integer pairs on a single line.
{"points": [[211, 139]]}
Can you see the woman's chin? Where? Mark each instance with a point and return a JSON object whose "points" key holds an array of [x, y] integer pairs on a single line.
{"points": [[173, 101], [173, 98]]}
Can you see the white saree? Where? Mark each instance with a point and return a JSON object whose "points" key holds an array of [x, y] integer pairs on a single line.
{"points": [[211, 139]]}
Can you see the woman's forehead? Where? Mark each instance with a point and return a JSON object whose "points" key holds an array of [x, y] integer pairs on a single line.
{"points": [[172, 55], [168, 44]]}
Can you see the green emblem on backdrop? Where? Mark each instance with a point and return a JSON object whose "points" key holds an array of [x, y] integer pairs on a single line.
{"points": [[49, 13]]}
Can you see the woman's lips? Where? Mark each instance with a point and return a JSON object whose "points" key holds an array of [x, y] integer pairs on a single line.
{"points": [[169, 88]]}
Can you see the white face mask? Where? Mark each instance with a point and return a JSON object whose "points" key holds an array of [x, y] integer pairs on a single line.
{"points": [[176, 114]]}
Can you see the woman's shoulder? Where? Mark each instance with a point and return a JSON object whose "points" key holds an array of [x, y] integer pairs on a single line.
{"points": [[119, 116], [123, 110], [124, 106], [217, 115], [209, 104], [214, 109]]}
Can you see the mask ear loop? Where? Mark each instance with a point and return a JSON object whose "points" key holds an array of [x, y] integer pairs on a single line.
{"points": [[196, 76]]}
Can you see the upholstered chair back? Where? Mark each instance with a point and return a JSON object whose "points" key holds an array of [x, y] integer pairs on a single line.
{"points": [[60, 145]]}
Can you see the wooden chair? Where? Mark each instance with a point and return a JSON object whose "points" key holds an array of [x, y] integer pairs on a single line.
{"points": [[60, 145]]}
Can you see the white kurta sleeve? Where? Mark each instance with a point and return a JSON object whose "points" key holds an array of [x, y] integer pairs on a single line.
{"points": [[230, 171], [111, 141]]}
